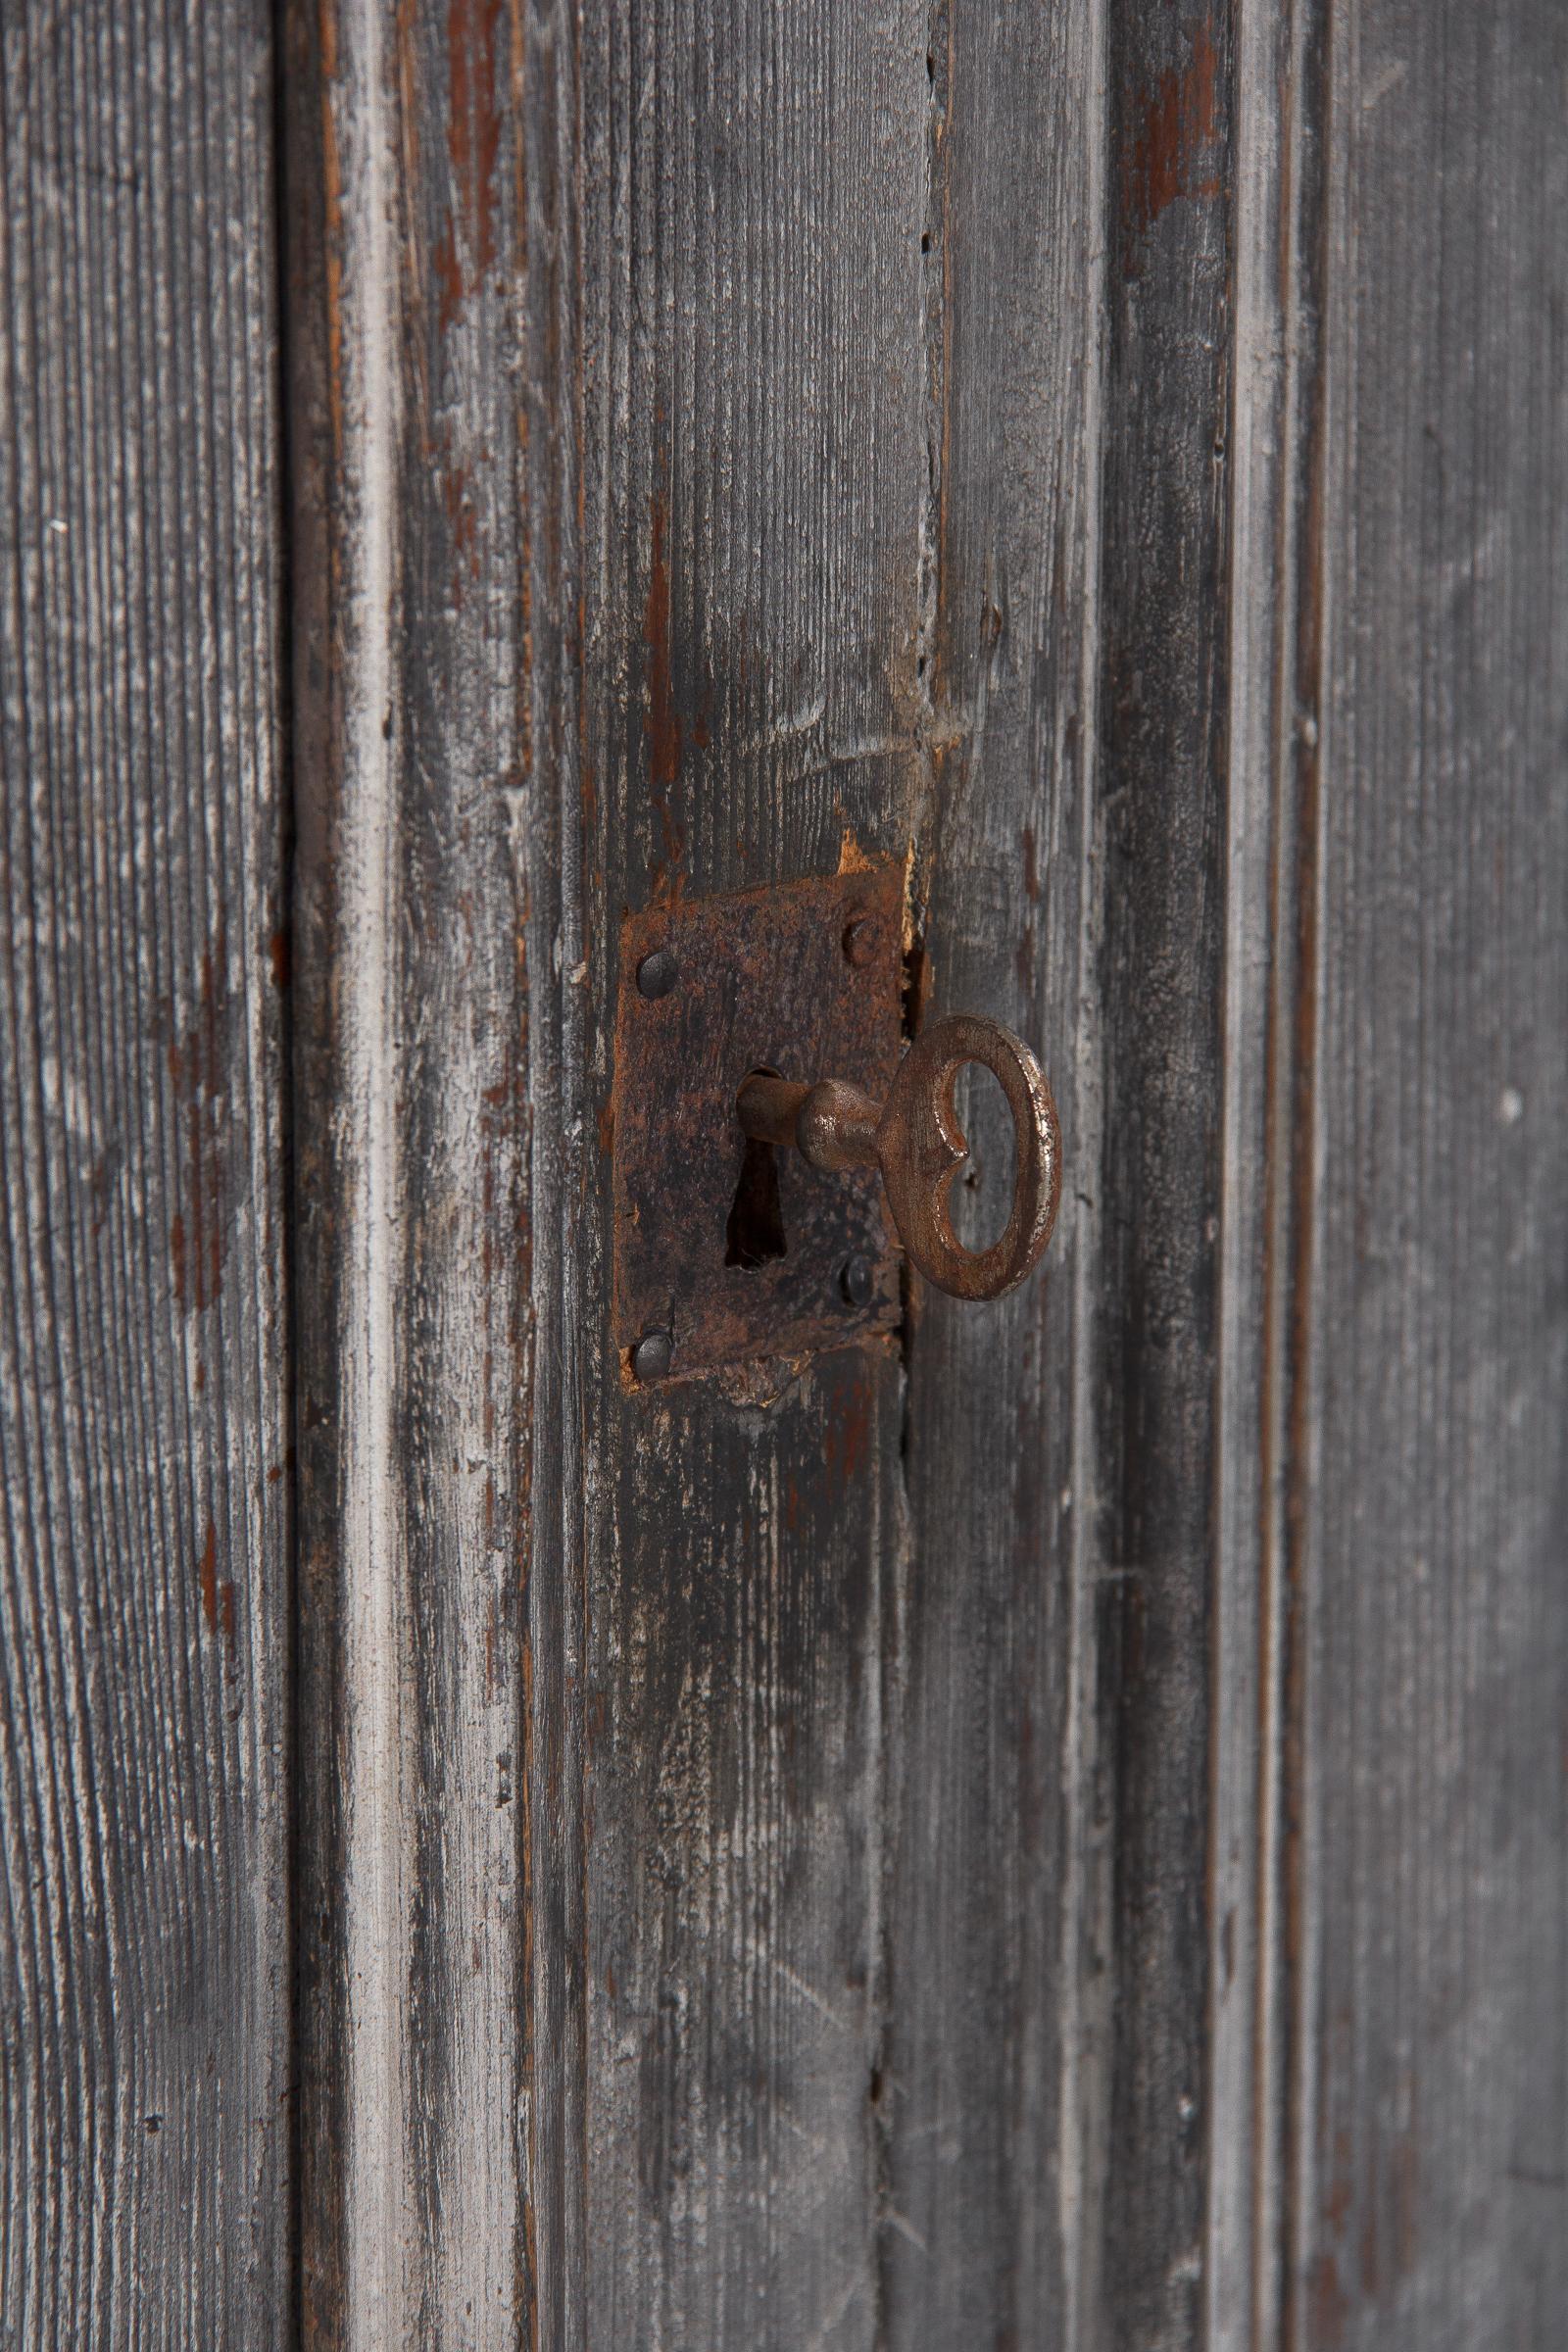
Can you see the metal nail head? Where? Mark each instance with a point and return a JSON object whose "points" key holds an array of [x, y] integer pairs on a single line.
{"points": [[652, 1357], [856, 1281], [862, 940], [658, 973]]}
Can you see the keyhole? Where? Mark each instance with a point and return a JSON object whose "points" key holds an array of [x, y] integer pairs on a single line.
{"points": [[754, 1232]]}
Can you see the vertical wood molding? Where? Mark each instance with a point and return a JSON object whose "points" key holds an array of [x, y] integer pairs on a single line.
{"points": [[1161, 842], [1270, 985], [353, 1031], [144, 1529], [412, 297], [550, 794], [1428, 2148]]}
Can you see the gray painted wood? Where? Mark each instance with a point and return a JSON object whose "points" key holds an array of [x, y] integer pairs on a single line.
{"points": [[1022, 1866], [555, 1721], [1430, 2150], [144, 1998], [1392, 1791], [1049, 1832]]}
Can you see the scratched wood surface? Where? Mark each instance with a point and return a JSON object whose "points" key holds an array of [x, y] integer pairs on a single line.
{"points": [[593, 1744], [1389, 1904], [414, 809], [1275, 441], [144, 1961], [1051, 1830], [988, 2118], [1048, 1831], [1428, 2148], [755, 494], [1152, 1443], [860, 1748]]}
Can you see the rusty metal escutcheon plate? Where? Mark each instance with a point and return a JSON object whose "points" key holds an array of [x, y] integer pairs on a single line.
{"points": [[764, 982]]}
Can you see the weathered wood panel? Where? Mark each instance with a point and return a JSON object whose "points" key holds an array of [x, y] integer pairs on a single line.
{"points": [[1270, 909], [825, 1753], [553, 1724], [144, 2000], [1429, 2149], [1162, 782], [992, 2093], [673, 1643], [878, 1855], [754, 493], [1390, 1913], [407, 278]]}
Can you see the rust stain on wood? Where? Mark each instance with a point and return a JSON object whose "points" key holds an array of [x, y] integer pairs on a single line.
{"points": [[473, 143], [206, 1573], [846, 1440], [218, 1604], [1329, 2308], [493, 1676], [464, 524], [661, 719], [853, 859], [1172, 153]]}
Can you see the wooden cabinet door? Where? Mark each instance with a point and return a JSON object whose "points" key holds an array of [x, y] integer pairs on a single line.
{"points": [[1041, 1827]]}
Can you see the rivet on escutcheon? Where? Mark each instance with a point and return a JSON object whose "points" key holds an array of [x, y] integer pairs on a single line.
{"points": [[862, 940], [652, 1356], [856, 1283], [658, 973]]}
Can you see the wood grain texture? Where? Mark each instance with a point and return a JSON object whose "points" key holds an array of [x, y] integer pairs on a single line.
{"points": [[1049, 1831], [593, 1685], [1390, 1908], [1428, 2146], [415, 1411], [1271, 915], [818, 1682], [992, 2104], [753, 496], [1162, 839], [548, 86], [144, 1546]]}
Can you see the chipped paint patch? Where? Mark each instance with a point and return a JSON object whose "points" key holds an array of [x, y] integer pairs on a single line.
{"points": [[1172, 153]]}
